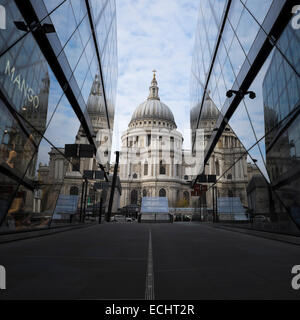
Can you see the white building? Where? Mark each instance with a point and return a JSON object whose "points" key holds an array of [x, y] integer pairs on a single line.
{"points": [[152, 160], [153, 163]]}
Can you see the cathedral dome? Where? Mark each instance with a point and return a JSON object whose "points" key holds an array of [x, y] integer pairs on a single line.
{"points": [[209, 111], [153, 108], [95, 103]]}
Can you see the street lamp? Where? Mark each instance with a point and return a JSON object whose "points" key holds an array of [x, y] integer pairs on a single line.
{"points": [[34, 26], [241, 93]]}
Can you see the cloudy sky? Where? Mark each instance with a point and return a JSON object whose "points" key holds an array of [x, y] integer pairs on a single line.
{"points": [[154, 34], [159, 34]]}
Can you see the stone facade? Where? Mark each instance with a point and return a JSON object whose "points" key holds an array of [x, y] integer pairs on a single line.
{"points": [[153, 162]]}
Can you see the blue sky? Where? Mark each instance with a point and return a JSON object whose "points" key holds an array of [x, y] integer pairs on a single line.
{"points": [[154, 34]]}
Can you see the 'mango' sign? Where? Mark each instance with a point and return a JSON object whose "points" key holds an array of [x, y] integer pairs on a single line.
{"points": [[22, 85]]}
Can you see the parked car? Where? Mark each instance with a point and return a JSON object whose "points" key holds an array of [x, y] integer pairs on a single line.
{"points": [[120, 217], [187, 217]]}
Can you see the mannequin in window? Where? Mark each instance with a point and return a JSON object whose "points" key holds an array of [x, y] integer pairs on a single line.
{"points": [[21, 220], [11, 156]]}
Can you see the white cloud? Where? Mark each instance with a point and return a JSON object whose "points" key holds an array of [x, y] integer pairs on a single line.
{"points": [[154, 34]]}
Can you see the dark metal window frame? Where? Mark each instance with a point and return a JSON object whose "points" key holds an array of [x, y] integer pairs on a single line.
{"points": [[225, 14], [98, 54], [30, 16], [278, 17]]}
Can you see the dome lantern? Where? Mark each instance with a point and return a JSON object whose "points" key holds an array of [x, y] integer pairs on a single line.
{"points": [[153, 88]]}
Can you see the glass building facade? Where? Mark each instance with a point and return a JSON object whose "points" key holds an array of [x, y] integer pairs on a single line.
{"points": [[55, 57], [254, 46]]}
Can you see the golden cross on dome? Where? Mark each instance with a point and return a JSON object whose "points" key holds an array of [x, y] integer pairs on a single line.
{"points": [[154, 71]]}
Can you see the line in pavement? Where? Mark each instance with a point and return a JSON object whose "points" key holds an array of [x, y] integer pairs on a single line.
{"points": [[65, 257], [149, 292]]}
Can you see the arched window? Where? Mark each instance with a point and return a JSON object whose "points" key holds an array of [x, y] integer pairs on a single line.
{"points": [[229, 176], [74, 191], [162, 167], [133, 197], [217, 168], [177, 171], [146, 168], [162, 192], [186, 177], [230, 193], [134, 176], [144, 193], [172, 143], [149, 139]]}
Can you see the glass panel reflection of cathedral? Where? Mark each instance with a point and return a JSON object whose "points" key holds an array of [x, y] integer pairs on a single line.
{"points": [[259, 164], [47, 103]]}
